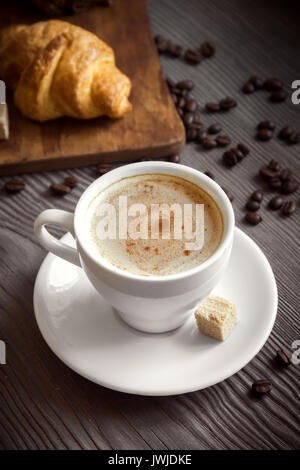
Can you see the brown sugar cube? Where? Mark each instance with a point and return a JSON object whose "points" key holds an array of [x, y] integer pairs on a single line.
{"points": [[4, 127], [216, 317]]}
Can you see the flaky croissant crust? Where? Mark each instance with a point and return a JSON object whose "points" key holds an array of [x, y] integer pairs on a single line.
{"points": [[56, 69]]}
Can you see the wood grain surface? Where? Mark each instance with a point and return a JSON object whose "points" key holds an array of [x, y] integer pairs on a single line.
{"points": [[152, 128], [43, 404]]}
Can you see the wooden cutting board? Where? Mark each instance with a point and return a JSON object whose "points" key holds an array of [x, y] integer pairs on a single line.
{"points": [[153, 128]]}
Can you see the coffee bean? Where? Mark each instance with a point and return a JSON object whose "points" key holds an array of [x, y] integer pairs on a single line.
{"points": [[278, 96], [207, 49], [253, 218], [212, 107], [238, 154], [274, 165], [177, 91], [257, 196], [209, 143], [243, 149], [264, 135], [274, 183], [188, 118], [184, 93], [267, 173], [257, 82], [158, 38], [192, 56], [285, 174], [285, 132], [283, 358], [230, 158], [261, 387], [181, 102], [266, 125], [273, 84], [228, 194], [191, 106], [214, 128], [71, 181], [185, 85], [288, 208], [275, 203], [191, 135], [163, 46], [196, 124], [223, 140], [294, 138], [209, 174], [104, 168], [59, 189], [14, 186], [252, 205], [227, 103], [248, 88], [175, 50], [174, 159], [289, 186], [201, 136]]}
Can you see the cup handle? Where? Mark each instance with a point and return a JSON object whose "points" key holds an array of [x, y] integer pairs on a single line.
{"points": [[64, 219]]}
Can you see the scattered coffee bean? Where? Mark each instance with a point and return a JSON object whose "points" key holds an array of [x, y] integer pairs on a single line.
{"points": [[257, 82], [223, 140], [14, 186], [191, 135], [209, 174], [59, 189], [243, 149], [174, 159], [266, 125], [283, 358], [257, 196], [267, 173], [261, 387], [275, 203], [228, 194], [278, 96], [175, 50], [285, 132], [253, 218], [207, 49], [181, 102], [227, 103], [289, 186], [191, 106], [201, 135], [185, 85], [274, 165], [273, 84], [294, 138], [158, 38], [188, 118], [248, 88], [252, 205], [184, 93], [104, 168], [285, 174], [212, 107], [275, 183], [196, 124], [192, 56], [238, 154], [209, 143], [163, 46], [264, 135], [214, 128], [288, 208], [71, 181], [229, 158]]}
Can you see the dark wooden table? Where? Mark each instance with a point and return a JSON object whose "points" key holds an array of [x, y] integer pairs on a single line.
{"points": [[43, 404]]}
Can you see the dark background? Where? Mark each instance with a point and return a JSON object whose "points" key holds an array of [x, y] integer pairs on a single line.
{"points": [[43, 404]]}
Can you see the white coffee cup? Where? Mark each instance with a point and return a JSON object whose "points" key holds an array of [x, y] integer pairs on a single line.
{"points": [[152, 304]]}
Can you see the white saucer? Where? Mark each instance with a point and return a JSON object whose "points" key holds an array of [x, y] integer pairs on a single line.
{"points": [[86, 334]]}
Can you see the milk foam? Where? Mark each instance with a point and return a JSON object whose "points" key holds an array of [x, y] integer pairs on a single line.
{"points": [[148, 256]]}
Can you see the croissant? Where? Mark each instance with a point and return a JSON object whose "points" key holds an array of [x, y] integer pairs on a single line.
{"points": [[57, 69]]}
